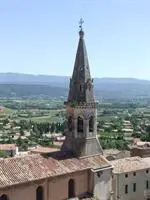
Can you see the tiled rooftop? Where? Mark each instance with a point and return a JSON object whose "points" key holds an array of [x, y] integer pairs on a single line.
{"points": [[95, 162], [110, 151], [147, 160], [141, 145], [34, 167], [129, 164], [44, 150]]}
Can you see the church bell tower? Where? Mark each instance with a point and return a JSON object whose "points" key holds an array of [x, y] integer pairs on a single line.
{"points": [[81, 130]]}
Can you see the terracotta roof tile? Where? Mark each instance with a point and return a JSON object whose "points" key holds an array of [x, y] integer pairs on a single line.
{"points": [[129, 164], [44, 150], [96, 162], [33, 167]]}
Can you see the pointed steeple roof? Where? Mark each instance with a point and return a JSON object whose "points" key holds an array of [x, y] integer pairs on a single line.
{"points": [[81, 87]]}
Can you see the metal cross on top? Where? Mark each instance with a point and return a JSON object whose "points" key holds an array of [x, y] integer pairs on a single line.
{"points": [[80, 23]]}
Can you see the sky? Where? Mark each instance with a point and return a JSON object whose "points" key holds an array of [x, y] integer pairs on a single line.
{"points": [[41, 36]]}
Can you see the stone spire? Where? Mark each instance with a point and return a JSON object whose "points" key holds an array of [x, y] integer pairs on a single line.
{"points": [[81, 127], [81, 87]]}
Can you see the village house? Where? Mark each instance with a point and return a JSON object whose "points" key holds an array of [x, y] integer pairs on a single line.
{"points": [[131, 178], [141, 149], [113, 154], [8, 150]]}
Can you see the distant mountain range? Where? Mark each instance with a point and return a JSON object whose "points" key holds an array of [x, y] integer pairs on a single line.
{"points": [[62, 81], [17, 84]]}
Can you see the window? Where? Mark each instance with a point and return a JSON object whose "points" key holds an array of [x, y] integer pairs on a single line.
{"points": [[4, 197], [80, 125], [134, 187], [39, 193], [71, 188], [126, 189], [91, 124], [147, 184], [99, 174], [134, 173], [126, 175]]}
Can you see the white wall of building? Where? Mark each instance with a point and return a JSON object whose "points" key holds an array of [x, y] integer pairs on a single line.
{"points": [[120, 180], [103, 184]]}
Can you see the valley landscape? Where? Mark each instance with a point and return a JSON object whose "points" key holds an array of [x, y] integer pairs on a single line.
{"points": [[32, 107], [66, 133]]}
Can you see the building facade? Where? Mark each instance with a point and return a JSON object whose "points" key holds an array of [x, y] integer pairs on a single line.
{"points": [[131, 179]]}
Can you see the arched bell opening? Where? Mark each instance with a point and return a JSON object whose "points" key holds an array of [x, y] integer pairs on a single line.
{"points": [[91, 124], [80, 125]]}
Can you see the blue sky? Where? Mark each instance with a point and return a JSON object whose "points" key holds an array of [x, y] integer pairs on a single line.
{"points": [[41, 36]]}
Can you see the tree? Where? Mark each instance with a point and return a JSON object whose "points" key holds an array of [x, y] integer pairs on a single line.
{"points": [[144, 137], [52, 128], [3, 154], [21, 132], [5, 121], [1, 127], [148, 129]]}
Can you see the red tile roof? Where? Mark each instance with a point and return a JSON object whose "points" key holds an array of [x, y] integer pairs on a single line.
{"points": [[44, 150], [96, 162], [130, 164], [34, 167]]}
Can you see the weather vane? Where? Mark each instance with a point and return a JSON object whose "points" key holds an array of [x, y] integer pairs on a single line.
{"points": [[80, 23]]}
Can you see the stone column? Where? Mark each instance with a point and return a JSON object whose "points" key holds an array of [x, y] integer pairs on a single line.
{"points": [[75, 127], [86, 127], [94, 126]]}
